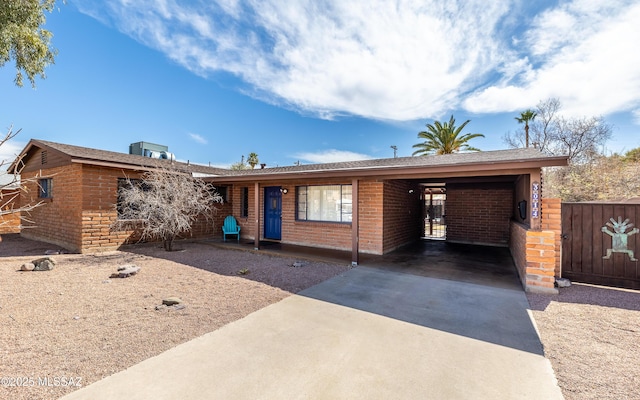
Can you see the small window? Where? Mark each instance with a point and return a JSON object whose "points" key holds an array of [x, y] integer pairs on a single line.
{"points": [[223, 191], [330, 203], [244, 202], [46, 188]]}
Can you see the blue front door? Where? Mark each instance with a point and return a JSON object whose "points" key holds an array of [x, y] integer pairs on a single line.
{"points": [[272, 213]]}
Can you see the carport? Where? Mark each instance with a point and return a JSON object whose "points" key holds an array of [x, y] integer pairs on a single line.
{"points": [[492, 198]]}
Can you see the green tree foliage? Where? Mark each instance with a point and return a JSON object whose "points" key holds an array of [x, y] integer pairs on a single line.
{"points": [[252, 160], [445, 138], [632, 155], [524, 118], [23, 38]]}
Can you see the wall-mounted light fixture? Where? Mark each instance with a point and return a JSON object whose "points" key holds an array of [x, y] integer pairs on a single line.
{"points": [[522, 209], [410, 191], [284, 190]]}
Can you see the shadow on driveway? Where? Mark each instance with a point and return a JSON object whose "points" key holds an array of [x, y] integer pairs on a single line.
{"points": [[491, 314]]}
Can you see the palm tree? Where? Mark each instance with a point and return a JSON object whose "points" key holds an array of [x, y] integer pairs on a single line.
{"points": [[252, 160], [524, 118], [444, 138]]}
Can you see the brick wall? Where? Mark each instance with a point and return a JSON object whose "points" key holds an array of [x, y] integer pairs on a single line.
{"points": [[9, 200], [319, 234], [402, 214], [534, 254], [552, 221], [518, 248], [82, 211], [58, 219], [541, 257], [479, 213]]}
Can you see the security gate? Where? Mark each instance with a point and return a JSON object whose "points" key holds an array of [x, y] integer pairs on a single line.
{"points": [[600, 243], [435, 225]]}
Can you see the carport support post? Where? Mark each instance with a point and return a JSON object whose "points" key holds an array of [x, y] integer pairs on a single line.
{"points": [[354, 222], [256, 207]]}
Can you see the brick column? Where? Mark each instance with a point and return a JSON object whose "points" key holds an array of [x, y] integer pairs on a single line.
{"points": [[552, 221], [541, 261]]}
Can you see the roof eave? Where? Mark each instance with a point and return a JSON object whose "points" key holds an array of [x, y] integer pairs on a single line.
{"points": [[398, 172]]}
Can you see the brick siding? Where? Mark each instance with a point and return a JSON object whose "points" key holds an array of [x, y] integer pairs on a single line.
{"points": [[403, 221], [552, 221], [479, 214], [10, 199], [80, 215], [389, 216]]}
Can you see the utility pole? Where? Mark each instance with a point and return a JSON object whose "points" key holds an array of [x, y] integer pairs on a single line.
{"points": [[395, 151]]}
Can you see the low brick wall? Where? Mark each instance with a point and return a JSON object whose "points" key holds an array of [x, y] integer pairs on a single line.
{"points": [[534, 254], [552, 221]]}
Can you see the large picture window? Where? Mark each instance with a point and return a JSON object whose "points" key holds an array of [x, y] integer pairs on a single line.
{"points": [[330, 203]]}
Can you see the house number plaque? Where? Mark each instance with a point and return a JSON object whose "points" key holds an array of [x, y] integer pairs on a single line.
{"points": [[535, 200]]}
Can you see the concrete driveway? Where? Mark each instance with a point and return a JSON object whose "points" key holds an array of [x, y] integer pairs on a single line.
{"points": [[370, 333]]}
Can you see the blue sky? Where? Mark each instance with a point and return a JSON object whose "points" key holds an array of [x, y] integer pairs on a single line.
{"points": [[321, 81]]}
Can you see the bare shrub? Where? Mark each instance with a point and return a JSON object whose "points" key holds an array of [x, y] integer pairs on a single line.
{"points": [[164, 204]]}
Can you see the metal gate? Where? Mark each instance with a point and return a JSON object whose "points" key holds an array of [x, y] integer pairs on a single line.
{"points": [[600, 243], [434, 201]]}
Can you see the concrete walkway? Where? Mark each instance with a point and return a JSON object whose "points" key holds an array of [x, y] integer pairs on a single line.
{"points": [[369, 333]]}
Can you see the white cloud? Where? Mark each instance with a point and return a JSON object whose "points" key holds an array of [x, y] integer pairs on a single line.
{"points": [[376, 59], [198, 138], [399, 60], [330, 156], [9, 151], [584, 56]]}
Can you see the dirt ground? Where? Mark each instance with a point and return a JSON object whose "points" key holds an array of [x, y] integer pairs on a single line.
{"points": [[69, 327], [591, 335]]}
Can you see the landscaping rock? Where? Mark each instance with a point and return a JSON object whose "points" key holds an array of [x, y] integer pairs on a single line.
{"points": [[297, 264], [43, 264], [126, 271], [169, 301], [27, 267]]}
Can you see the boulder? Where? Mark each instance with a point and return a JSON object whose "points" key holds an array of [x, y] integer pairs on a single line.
{"points": [[27, 267], [297, 264], [43, 264], [126, 271], [170, 301]]}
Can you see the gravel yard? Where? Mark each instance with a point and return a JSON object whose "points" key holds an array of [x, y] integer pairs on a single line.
{"points": [[76, 323], [591, 335]]}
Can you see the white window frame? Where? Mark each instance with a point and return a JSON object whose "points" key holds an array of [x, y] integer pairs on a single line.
{"points": [[324, 203]]}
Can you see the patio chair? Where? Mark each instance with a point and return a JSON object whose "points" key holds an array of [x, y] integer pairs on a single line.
{"points": [[230, 227]]}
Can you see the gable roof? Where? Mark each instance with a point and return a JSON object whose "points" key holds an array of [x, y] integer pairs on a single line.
{"points": [[86, 155]]}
